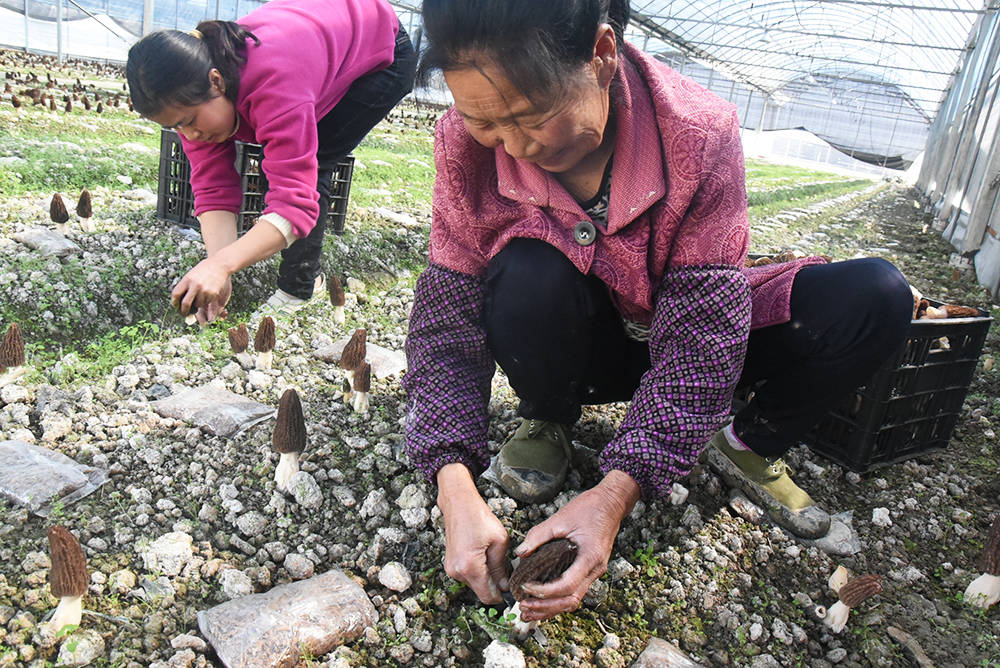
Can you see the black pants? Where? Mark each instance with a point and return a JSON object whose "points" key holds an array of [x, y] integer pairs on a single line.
{"points": [[559, 339], [368, 101]]}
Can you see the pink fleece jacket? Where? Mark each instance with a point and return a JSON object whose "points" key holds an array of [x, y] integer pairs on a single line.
{"points": [[310, 53]]}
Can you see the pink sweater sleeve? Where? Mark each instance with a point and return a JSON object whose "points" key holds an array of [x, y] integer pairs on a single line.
{"points": [[214, 181]]}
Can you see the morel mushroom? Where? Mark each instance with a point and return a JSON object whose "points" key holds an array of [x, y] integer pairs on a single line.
{"points": [[15, 102], [68, 578], [545, 564], [956, 311], [984, 591], [289, 438], [239, 338], [263, 342], [85, 210], [852, 594], [362, 385], [58, 212], [354, 354], [11, 355], [337, 299]]}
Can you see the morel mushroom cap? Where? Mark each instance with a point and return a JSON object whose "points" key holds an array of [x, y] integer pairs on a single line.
{"points": [[355, 350], [991, 553], [83, 206], [12, 347], [239, 338], [68, 576], [336, 291], [363, 378], [955, 311], [57, 210], [543, 565], [859, 589], [290, 430], [264, 340]]}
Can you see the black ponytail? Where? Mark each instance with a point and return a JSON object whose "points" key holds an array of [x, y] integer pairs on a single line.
{"points": [[539, 45], [170, 67]]}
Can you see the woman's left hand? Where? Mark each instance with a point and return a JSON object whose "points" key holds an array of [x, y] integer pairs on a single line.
{"points": [[205, 288], [591, 520]]}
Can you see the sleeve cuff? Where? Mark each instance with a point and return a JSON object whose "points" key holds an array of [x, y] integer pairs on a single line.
{"points": [[282, 225]]}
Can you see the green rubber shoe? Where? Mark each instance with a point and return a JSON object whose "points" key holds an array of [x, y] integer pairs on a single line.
{"points": [[765, 481], [533, 463]]}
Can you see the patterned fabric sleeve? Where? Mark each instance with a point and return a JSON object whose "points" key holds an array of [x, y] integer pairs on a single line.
{"points": [[697, 344], [449, 369]]}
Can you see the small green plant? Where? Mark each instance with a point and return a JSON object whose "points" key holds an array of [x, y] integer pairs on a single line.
{"points": [[493, 622], [644, 555]]}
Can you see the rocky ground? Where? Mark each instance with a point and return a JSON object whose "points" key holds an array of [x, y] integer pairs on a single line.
{"points": [[707, 575]]}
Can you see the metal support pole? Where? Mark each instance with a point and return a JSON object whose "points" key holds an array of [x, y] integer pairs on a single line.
{"points": [[147, 17], [59, 30], [27, 22]]}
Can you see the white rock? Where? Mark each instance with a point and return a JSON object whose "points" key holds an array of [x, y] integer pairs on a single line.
{"points": [[299, 566], [678, 494], [412, 496], [880, 517], [503, 655], [235, 583], [168, 554], [375, 505], [305, 490], [87, 647], [252, 524], [258, 379], [394, 576], [231, 371], [55, 426], [415, 518], [188, 641], [12, 394]]}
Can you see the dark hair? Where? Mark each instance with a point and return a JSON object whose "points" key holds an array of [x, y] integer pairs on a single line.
{"points": [[537, 44], [170, 67]]}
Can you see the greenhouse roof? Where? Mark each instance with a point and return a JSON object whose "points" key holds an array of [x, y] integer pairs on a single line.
{"points": [[915, 45]]}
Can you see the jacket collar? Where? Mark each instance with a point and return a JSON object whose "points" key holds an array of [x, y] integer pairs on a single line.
{"points": [[637, 175]]}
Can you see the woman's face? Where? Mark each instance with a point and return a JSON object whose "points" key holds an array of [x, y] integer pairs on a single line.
{"points": [[556, 137], [211, 121]]}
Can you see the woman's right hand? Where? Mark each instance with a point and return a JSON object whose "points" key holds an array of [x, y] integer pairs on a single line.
{"points": [[476, 543]]}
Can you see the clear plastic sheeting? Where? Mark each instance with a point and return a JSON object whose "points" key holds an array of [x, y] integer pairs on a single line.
{"points": [[215, 409], [277, 628], [36, 478]]}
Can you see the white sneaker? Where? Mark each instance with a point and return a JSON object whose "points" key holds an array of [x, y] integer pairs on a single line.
{"points": [[282, 303]]}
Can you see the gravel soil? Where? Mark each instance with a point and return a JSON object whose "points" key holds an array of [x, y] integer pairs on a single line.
{"points": [[724, 589]]}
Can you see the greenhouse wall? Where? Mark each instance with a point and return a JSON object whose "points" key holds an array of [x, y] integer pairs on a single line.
{"points": [[961, 171]]}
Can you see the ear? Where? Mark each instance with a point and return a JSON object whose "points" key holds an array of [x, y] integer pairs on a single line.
{"points": [[217, 81], [605, 59]]}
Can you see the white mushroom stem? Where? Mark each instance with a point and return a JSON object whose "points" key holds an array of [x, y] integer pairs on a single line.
{"points": [[836, 616], [338, 315], [360, 402], [984, 591], [62, 228], [190, 319], [264, 360], [89, 224], [520, 628], [288, 465], [69, 611], [12, 374]]}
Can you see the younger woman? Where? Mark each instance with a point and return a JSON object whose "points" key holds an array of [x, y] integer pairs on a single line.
{"points": [[308, 79]]}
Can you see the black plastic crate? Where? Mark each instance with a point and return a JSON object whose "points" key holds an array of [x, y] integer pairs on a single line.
{"points": [[911, 404], [175, 202]]}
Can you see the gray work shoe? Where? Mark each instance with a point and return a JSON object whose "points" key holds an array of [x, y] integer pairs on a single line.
{"points": [[765, 480], [532, 464]]}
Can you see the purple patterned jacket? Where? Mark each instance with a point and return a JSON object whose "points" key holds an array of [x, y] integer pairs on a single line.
{"points": [[672, 255]]}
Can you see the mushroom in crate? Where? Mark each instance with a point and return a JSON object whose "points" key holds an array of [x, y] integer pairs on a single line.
{"points": [[68, 578], [264, 341], [58, 213], [289, 438], [12, 355], [984, 591]]}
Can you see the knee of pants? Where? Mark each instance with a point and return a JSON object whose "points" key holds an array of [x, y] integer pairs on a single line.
{"points": [[530, 275], [885, 297]]}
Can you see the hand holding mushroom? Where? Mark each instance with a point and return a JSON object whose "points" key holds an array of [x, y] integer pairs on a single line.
{"points": [[984, 591], [204, 291]]}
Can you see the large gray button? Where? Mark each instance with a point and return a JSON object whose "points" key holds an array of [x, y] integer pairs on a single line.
{"points": [[585, 233]]}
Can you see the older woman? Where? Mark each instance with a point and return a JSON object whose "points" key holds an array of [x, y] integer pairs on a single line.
{"points": [[589, 235]]}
